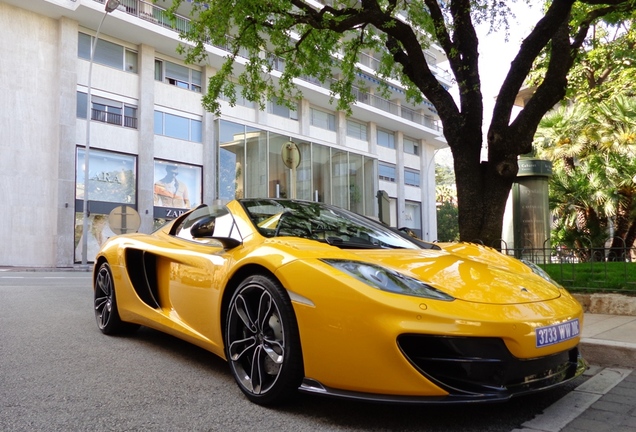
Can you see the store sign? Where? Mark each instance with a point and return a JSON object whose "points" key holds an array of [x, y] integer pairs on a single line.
{"points": [[167, 213]]}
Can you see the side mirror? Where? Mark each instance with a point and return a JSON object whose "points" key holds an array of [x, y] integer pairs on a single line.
{"points": [[204, 227]]}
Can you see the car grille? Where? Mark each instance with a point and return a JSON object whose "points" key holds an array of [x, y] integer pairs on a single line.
{"points": [[470, 366]]}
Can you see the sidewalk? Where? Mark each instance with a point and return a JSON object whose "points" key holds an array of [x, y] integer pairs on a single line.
{"points": [[606, 401], [609, 340]]}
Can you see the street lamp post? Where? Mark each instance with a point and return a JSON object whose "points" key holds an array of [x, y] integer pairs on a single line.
{"points": [[111, 5]]}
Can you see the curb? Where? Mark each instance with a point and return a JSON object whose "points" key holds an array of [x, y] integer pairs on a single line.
{"points": [[608, 353], [77, 268]]}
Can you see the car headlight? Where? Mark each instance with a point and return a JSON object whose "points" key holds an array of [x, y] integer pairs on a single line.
{"points": [[540, 272], [388, 280]]}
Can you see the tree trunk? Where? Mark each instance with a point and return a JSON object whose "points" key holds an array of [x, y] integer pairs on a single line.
{"points": [[619, 250], [482, 192]]}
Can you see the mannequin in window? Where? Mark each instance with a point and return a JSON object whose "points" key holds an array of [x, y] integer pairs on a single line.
{"points": [[170, 192]]}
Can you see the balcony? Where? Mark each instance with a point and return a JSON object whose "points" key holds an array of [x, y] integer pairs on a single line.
{"points": [[157, 15], [113, 118]]}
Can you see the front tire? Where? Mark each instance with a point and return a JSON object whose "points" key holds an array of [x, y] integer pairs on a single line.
{"points": [[261, 341], [105, 304]]}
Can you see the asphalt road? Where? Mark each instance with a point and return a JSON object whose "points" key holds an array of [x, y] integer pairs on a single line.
{"points": [[58, 372]]}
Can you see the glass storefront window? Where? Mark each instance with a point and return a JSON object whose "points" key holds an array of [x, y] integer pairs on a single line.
{"points": [[356, 183], [111, 177], [303, 172], [413, 217], [279, 183], [112, 181], [231, 160], [251, 166], [177, 185], [238, 144], [321, 173], [340, 177], [371, 182], [256, 164]]}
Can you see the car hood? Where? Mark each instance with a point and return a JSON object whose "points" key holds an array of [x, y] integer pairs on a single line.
{"points": [[469, 272]]}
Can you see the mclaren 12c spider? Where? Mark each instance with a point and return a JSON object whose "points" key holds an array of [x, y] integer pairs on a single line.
{"points": [[303, 296]]}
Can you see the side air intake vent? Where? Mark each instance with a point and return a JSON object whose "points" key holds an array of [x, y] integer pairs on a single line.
{"points": [[142, 272]]}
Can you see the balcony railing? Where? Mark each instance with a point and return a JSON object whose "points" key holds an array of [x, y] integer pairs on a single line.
{"points": [[157, 15], [113, 118], [373, 63]]}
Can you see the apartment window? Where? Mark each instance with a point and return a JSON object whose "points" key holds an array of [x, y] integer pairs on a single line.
{"points": [[178, 75], [386, 139], [107, 110], [240, 99], [386, 172], [411, 146], [179, 127], [356, 129], [107, 53], [411, 177], [277, 63], [280, 109], [323, 120]]}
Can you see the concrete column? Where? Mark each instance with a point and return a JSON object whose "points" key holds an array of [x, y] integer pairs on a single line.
{"points": [[304, 117], [210, 147], [67, 97], [146, 120], [372, 136], [341, 128], [399, 168], [427, 176]]}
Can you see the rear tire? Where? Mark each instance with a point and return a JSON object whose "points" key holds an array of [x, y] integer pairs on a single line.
{"points": [[105, 304], [262, 342]]}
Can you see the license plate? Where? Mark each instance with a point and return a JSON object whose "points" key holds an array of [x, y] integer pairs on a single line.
{"points": [[556, 333]]}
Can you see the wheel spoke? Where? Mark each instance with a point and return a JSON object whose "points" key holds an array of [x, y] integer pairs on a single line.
{"points": [[256, 376], [104, 282], [104, 315], [239, 347], [276, 353], [100, 303], [243, 312], [264, 310]]}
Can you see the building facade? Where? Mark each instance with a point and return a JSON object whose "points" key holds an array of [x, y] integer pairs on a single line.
{"points": [[153, 148]]}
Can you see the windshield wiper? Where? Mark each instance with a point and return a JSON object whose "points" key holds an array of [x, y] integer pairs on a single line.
{"points": [[350, 244]]}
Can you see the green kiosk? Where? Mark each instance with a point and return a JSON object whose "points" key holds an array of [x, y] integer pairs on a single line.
{"points": [[531, 222]]}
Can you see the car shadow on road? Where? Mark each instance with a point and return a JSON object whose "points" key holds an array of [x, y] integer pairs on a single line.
{"points": [[347, 415]]}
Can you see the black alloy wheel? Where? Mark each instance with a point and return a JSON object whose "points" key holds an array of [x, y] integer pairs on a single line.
{"points": [[262, 342]]}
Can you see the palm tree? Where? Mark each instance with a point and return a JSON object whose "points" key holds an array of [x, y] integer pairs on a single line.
{"points": [[619, 123], [593, 150]]}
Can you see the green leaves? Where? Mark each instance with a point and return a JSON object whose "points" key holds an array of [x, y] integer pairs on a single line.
{"points": [[593, 149]]}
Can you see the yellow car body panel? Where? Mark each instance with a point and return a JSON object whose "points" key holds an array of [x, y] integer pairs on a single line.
{"points": [[365, 342], [348, 329]]}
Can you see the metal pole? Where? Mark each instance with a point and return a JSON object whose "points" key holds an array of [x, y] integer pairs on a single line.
{"points": [[111, 5]]}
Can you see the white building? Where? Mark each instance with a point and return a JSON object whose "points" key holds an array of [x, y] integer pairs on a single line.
{"points": [[147, 120]]}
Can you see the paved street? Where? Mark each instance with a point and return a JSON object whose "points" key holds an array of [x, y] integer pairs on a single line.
{"points": [[58, 372]]}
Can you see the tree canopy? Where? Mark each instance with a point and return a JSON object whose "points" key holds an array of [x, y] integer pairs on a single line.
{"points": [[605, 67], [324, 41]]}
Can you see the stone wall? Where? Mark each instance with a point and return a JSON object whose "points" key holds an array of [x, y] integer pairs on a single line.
{"points": [[612, 304]]}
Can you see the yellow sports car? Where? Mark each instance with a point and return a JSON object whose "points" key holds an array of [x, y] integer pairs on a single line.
{"points": [[299, 295]]}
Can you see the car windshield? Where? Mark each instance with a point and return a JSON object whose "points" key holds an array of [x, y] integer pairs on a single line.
{"points": [[321, 222]]}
